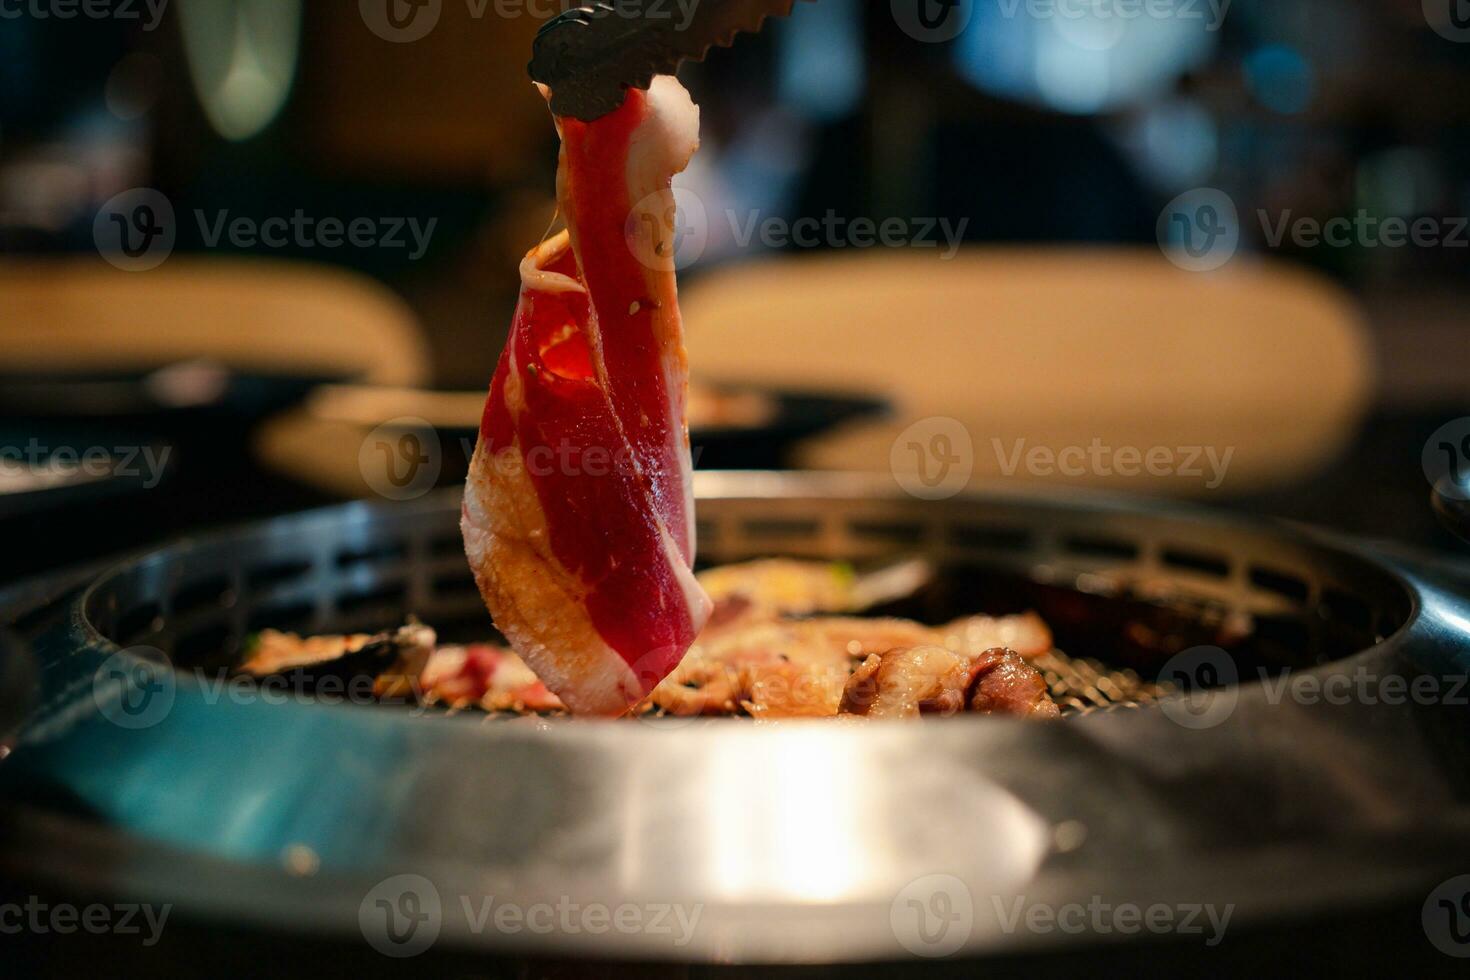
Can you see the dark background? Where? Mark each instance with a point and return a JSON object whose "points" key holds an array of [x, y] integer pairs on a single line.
{"points": [[1039, 130]]}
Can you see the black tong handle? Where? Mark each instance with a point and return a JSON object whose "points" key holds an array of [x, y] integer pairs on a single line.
{"points": [[591, 55]]}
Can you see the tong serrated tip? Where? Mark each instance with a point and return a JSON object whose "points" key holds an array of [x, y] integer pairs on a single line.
{"points": [[591, 55]]}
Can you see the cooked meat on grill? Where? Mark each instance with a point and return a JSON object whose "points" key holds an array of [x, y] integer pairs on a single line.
{"points": [[760, 659], [931, 680], [273, 652], [785, 587], [789, 668], [1026, 634], [1001, 682], [489, 677], [906, 682], [771, 669]]}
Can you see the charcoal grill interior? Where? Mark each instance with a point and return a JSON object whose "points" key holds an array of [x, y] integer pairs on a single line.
{"points": [[1122, 591]]}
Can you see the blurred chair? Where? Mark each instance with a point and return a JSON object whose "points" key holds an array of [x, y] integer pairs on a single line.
{"points": [[1049, 350], [274, 317]]}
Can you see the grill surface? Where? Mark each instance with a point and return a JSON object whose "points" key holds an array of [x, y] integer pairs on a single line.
{"points": [[1125, 589], [1280, 807]]}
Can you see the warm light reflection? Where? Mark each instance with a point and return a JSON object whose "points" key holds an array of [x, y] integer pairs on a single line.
{"points": [[829, 822], [796, 841], [242, 58]]}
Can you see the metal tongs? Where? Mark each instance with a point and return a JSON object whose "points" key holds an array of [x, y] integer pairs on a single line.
{"points": [[590, 56]]}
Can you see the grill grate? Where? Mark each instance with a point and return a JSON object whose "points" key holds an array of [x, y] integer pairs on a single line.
{"points": [[1081, 686], [1127, 586]]}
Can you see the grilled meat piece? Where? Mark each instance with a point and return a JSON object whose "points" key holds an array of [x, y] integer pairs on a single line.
{"points": [[913, 681], [272, 652], [799, 668]]}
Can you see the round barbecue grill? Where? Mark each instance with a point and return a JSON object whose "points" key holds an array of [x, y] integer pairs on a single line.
{"points": [[1204, 759]]}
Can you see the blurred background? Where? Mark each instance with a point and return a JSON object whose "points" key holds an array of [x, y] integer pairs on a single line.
{"points": [[257, 255]]}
